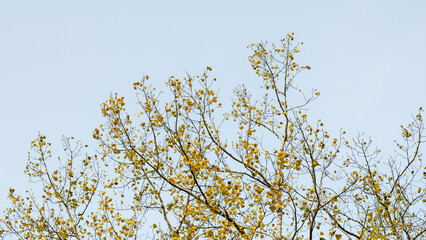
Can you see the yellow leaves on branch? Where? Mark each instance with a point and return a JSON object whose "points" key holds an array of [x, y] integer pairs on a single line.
{"points": [[256, 169]]}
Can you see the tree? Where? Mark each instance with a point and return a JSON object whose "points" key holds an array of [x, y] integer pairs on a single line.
{"points": [[176, 171]]}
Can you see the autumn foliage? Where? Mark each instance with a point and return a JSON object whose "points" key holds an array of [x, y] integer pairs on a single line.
{"points": [[188, 166]]}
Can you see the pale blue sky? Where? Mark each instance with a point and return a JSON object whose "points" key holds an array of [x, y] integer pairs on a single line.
{"points": [[60, 59]]}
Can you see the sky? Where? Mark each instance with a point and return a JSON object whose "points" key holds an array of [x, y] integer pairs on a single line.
{"points": [[59, 60]]}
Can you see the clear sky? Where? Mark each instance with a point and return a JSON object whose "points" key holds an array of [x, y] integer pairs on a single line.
{"points": [[59, 60]]}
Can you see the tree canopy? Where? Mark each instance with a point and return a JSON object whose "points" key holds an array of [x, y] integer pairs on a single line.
{"points": [[190, 166]]}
